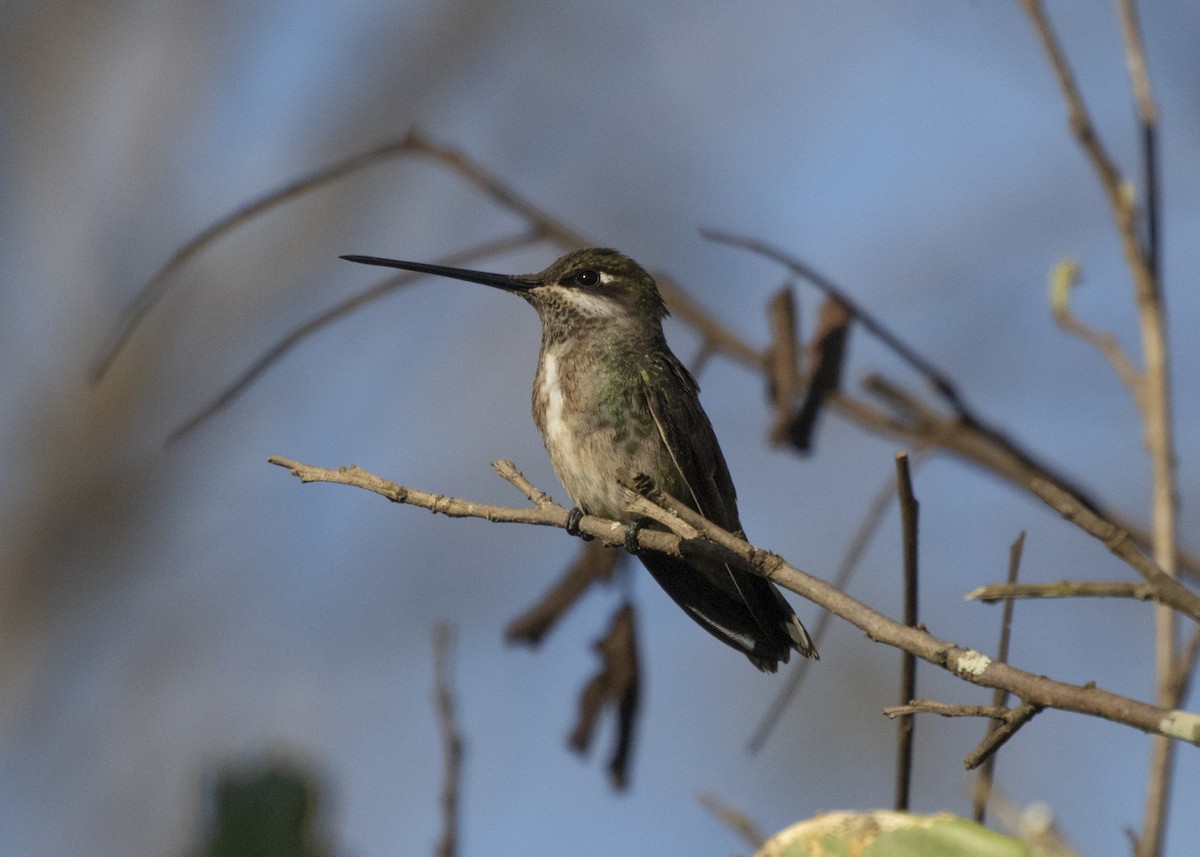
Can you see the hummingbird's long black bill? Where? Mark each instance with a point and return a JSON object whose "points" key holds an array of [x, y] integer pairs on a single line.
{"points": [[499, 281]]}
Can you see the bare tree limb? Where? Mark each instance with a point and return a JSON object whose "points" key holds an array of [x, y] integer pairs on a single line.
{"points": [[940, 381], [967, 664], [990, 450]]}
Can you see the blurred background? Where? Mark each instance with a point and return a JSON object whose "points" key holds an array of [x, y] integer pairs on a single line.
{"points": [[165, 612]]}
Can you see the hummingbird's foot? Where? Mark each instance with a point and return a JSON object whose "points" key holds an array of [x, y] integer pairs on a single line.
{"points": [[574, 516], [631, 536]]}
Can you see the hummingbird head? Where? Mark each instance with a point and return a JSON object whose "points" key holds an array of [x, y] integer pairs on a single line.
{"points": [[597, 287]]}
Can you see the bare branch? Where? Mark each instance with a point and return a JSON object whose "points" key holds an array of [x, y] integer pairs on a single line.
{"points": [[156, 287], [998, 737], [946, 709], [783, 366], [509, 473], [841, 579], [940, 382], [1063, 280], [987, 770], [736, 820], [1006, 722], [1139, 78], [909, 509], [1171, 592], [827, 357], [616, 684], [969, 665], [452, 742], [596, 561], [1061, 589], [1081, 121], [1155, 403], [301, 332]]}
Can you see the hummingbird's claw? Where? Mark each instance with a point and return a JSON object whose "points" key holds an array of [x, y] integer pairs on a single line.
{"points": [[574, 516], [631, 537]]}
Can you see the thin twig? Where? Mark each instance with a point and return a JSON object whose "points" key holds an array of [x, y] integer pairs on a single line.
{"points": [[990, 450], [878, 506], [1139, 78], [783, 371], [318, 322], [156, 287], [594, 562], [1185, 667], [509, 473], [1171, 593], [968, 664], [940, 381], [1155, 401], [946, 709], [733, 818], [998, 736], [1062, 589], [1005, 722], [909, 511], [452, 741], [826, 361], [1063, 280], [987, 770], [617, 684], [1078, 117]]}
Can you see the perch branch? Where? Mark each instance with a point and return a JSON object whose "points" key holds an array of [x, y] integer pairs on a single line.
{"points": [[969, 665]]}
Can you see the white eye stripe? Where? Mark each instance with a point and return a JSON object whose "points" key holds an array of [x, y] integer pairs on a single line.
{"points": [[590, 304], [605, 279]]}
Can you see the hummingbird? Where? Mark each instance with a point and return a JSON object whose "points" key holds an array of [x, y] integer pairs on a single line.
{"points": [[610, 397]]}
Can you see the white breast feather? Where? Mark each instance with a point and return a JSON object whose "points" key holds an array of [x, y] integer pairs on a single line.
{"points": [[589, 488]]}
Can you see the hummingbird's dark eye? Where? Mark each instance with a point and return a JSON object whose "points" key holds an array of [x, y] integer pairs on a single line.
{"points": [[587, 278]]}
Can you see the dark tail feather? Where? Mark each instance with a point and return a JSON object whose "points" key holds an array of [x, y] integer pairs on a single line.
{"points": [[760, 624]]}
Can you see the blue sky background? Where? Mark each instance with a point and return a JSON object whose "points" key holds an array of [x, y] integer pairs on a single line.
{"points": [[164, 612]]}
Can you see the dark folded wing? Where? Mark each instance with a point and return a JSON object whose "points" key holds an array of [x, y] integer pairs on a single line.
{"points": [[741, 609]]}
